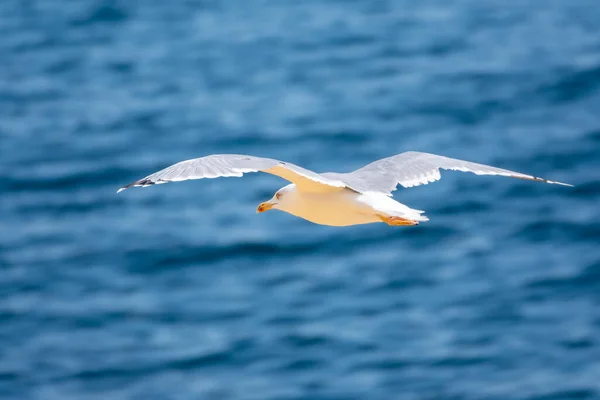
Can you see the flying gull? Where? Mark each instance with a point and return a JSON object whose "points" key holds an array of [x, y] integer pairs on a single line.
{"points": [[336, 199]]}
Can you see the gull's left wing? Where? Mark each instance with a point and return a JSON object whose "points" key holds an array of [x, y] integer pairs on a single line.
{"points": [[414, 168]]}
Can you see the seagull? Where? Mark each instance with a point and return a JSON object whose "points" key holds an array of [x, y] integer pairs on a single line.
{"points": [[336, 199]]}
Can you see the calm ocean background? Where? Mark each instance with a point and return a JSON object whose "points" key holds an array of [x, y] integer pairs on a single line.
{"points": [[182, 291]]}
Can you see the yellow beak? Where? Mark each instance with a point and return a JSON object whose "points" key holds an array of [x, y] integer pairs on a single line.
{"points": [[262, 207]]}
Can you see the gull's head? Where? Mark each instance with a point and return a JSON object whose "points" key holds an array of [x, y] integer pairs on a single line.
{"points": [[283, 199]]}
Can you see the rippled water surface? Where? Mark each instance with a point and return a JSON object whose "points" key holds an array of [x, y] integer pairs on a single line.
{"points": [[182, 291]]}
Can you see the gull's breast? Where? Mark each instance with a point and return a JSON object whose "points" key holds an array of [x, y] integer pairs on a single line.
{"points": [[334, 209]]}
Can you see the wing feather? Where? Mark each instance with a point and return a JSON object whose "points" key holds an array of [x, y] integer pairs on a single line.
{"points": [[235, 165], [414, 168]]}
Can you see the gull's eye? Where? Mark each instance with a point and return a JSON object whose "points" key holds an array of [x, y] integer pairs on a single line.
{"points": [[278, 196]]}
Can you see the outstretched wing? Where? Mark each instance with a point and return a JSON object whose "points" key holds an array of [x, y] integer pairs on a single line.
{"points": [[413, 169], [224, 165]]}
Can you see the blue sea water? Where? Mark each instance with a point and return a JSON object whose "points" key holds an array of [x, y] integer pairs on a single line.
{"points": [[182, 291]]}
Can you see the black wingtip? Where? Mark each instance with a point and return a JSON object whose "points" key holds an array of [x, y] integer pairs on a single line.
{"points": [[538, 179], [125, 187], [554, 182], [141, 182]]}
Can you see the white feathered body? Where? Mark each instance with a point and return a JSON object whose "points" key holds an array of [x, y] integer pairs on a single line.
{"points": [[342, 208]]}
